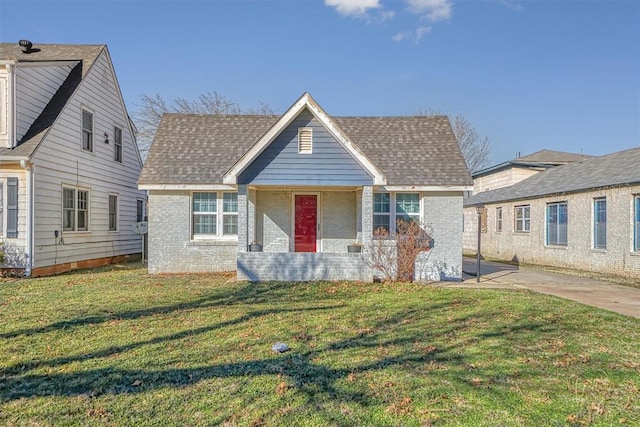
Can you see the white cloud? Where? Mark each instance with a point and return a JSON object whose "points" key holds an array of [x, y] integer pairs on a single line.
{"points": [[415, 36], [401, 36], [354, 8], [433, 10], [511, 5]]}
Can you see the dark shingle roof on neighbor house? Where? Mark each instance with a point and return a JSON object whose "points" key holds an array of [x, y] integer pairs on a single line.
{"points": [[200, 149], [84, 54], [616, 169], [542, 159]]}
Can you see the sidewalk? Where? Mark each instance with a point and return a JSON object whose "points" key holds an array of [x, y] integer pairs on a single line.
{"points": [[621, 299]]}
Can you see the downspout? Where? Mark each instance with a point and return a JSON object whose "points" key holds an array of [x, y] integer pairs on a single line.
{"points": [[29, 233]]}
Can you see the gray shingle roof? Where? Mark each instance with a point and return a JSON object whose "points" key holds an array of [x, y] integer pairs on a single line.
{"points": [[84, 54], [200, 149], [614, 169], [551, 157]]}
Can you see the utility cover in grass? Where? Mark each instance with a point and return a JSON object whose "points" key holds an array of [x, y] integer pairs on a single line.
{"points": [[280, 347]]}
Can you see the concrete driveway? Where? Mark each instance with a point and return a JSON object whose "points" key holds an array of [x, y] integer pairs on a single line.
{"points": [[621, 299]]}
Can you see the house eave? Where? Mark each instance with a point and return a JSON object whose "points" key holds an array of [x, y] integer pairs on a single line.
{"points": [[187, 187]]}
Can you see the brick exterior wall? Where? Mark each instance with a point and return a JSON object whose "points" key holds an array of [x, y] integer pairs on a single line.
{"points": [[263, 266], [618, 258], [171, 249], [443, 219]]}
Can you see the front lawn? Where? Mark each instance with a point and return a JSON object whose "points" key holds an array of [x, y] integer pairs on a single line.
{"points": [[119, 347]]}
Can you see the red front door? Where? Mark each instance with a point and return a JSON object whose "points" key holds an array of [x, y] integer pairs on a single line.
{"points": [[306, 220]]}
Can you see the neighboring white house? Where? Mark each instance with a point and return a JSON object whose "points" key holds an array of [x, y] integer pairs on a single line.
{"points": [[68, 160], [583, 215], [304, 185]]}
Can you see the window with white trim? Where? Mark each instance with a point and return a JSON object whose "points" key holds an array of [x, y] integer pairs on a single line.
{"points": [[600, 223], [117, 144], [87, 130], [636, 223], [139, 210], [557, 221], [75, 209], [113, 212], [522, 219], [305, 140], [499, 219], [1, 208], [388, 208], [215, 214]]}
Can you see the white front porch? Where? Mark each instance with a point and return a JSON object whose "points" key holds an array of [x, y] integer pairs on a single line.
{"points": [[267, 215]]}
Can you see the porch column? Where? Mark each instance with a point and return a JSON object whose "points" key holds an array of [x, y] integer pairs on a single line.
{"points": [[242, 219], [251, 215], [366, 215]]}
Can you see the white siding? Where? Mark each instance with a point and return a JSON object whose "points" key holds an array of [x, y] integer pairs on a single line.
{"points": [[35, 86], [60, 161], [4, 107]]}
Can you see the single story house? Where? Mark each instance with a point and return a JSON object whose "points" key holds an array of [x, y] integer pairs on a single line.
{"points": [[583, 215], [301, 187]]}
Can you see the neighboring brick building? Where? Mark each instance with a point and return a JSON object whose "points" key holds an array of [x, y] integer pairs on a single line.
{"points": [[583, 215], [304, 186]]}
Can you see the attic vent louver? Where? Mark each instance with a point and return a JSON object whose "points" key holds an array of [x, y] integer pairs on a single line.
{"points": [[26, 46], [305, 140]]}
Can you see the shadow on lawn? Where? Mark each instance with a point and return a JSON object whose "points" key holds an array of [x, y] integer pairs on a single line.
{"points": [[243, 294], [408, 338]]}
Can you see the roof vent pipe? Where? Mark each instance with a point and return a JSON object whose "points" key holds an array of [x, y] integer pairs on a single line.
{"points": [[26, 46]]}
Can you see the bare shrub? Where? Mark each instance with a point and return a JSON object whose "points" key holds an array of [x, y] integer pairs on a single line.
{"points": [[393, 253]]}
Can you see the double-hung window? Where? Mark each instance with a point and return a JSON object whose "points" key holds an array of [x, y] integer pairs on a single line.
{"points": [[117, 144], [389, 208], [1, 208], [113, 212], [522, 219], [87, 130], [636, 223], [498, 220], [75, 209], [139, 210], [215, 214], [557, 219], [600, 223]]}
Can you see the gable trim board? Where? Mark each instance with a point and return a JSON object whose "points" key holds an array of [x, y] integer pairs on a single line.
{"points": [[304, 102]]}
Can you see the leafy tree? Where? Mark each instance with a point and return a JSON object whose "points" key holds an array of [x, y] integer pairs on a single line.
{"points": [[149, 110]]}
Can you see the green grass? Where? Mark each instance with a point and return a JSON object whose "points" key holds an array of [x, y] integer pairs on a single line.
{"points": [[119, 347]]}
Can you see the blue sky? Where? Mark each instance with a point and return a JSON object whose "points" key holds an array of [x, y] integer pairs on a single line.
{"points": [[562, 75]]}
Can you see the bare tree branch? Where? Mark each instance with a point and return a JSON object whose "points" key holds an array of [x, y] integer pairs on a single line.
{"points": [[149, 110], [474, 148]]}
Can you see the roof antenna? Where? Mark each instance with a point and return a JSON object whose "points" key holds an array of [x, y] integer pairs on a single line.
{"points": [[26, 46]]}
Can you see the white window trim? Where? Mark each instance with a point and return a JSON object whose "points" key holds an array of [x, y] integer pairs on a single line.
{"points": [[546, 221], [3, 207], [117, 196], [93, 128], [524, 219], [75, 208], [392, 207], [219, 218], [594, 224], [141, 201], [500, 219], [635, 211], [115, 144]]}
